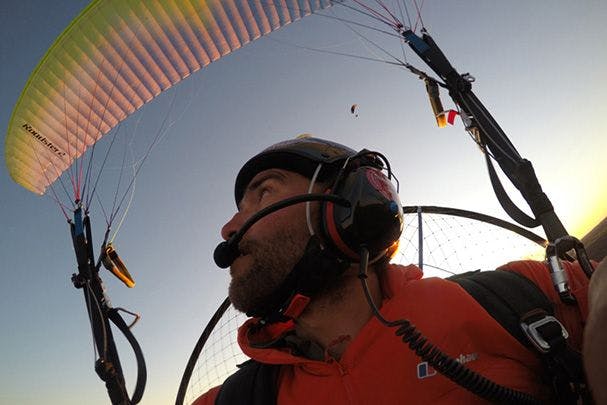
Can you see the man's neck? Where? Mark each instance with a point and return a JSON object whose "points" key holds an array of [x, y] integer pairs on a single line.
{"points": [[334, 319]]}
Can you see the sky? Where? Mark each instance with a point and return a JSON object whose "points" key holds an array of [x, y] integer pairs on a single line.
{"points": [[539, 68]]}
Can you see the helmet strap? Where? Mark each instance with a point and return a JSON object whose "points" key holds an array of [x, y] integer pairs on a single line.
{"points": [[316, 269]]}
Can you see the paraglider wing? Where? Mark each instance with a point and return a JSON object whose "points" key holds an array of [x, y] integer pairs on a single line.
{"points": [[115, 57]]}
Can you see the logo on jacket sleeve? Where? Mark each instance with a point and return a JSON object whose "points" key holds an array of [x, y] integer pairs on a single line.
{"points": [[425, 370]]}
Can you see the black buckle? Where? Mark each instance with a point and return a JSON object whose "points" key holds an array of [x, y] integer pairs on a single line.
{"points": [[542, 335]]}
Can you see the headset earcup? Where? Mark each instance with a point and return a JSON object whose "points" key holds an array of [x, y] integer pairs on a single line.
{"points": [[331, 231], [374, 218]]}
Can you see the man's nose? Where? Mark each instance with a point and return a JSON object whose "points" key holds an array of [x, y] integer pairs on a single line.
{"points": [[232, 226]]}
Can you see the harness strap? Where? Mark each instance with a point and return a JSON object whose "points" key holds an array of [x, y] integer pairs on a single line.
{"points": [[141, 368], [528, 315], [254, 384], [507, 204]]}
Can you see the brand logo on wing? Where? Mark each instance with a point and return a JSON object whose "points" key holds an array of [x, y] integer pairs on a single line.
{"points": [[43, 140]]}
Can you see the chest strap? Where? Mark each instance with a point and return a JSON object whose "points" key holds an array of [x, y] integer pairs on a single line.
{"points": [[254, 384]]}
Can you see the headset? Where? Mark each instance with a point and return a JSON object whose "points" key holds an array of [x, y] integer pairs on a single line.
{"points": [[373, 217], [361, 209]]}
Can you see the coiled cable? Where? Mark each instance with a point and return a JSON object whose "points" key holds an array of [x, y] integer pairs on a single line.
{"points": [[441, 362]]}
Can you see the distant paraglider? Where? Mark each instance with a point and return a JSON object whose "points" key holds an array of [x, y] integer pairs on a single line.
{"points": [[354, 110]]}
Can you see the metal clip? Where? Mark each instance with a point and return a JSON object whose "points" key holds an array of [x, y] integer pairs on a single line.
{"points": [[535, 336], [468, 77], [558, 274]]}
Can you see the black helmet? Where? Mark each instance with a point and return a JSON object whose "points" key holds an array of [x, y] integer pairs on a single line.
{"points": [[301, 155]]}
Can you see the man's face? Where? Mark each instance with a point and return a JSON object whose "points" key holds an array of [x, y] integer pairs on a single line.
{"points": [[274, 244]]}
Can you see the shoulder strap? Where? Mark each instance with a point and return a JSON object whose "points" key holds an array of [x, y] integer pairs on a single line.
{"points": [[527, 314], [254, 383], [506, 296]]}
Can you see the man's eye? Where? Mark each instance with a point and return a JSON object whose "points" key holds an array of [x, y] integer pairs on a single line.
{"points": [[263, 192]]}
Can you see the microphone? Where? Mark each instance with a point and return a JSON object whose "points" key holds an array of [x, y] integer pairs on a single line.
{"points": [[225, 254], [227, 251]]}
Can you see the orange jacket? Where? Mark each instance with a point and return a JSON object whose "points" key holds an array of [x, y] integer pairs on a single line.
{"points": [[378, 368]]}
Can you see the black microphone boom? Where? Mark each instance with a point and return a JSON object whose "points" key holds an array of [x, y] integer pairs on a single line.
{"points": [[227, 251]]}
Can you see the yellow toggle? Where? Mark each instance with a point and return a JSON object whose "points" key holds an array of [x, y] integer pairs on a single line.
{"points": [[437, 106], [113, 263], [441, 120]]}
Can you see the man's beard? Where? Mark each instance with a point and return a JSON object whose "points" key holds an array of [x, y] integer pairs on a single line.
{"points": [[273, 260]]}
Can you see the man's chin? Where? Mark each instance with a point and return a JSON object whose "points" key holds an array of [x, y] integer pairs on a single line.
{"points": [[240, 265], [239, 301]]}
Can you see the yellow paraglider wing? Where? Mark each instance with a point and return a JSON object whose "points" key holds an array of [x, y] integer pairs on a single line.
{"points": [[115, 57]]}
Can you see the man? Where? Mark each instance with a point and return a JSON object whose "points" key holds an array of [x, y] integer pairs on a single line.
{"points": [[297, 269]]}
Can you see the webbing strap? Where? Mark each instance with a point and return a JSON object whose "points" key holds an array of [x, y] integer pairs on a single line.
{"points": [[507, 204], [141, 368], [516, 303], [254, 384]]}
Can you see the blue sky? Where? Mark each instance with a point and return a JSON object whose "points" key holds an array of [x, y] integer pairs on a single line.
{"points": [[539, 68]]}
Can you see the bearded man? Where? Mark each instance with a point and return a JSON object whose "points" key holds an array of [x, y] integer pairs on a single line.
{"points": [[309, 251]]}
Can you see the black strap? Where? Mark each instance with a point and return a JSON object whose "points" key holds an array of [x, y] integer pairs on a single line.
{"points": [[317, 268], [507, 204], [506, 296], [254, 384], [141, 368], [512, 299]]}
